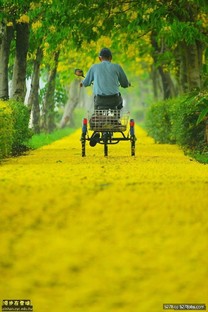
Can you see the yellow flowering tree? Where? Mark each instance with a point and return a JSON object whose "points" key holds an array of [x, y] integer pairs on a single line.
{"points": [[153, 34], [178, 32]]}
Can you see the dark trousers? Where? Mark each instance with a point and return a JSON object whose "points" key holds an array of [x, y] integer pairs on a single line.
{"points": [[108, 102]]}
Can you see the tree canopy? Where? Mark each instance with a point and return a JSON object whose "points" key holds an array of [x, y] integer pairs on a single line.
{"points": [[164, 39]]}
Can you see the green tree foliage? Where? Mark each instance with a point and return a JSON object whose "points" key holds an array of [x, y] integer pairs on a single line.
{"points": [[178, 30], [172, 33]]}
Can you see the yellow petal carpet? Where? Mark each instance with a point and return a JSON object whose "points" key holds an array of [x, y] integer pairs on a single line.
{"points": [[116, 233]]}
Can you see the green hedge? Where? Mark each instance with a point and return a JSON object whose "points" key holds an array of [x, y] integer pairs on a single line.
{"points": [[158, 123], [6, 129], [14, 131], [21, 133], [176, 121]]}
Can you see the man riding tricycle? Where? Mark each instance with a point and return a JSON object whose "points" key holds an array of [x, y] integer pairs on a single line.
{"points": [[108, 117]]}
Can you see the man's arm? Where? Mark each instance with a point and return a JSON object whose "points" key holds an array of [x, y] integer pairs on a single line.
{"points": [[123, 78], [89, 78]]}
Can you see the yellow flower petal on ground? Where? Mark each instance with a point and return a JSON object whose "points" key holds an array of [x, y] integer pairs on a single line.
{"points": [[97, 234]]}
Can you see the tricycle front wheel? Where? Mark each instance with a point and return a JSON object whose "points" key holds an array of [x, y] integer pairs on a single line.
{"points": [[105, 149]]}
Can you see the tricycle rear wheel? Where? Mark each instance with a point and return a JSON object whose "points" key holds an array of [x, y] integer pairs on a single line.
{"points": [[83, 142], [133, 139]]}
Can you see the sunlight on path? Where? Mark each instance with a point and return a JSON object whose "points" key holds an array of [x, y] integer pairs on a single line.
{"points": [[101, 234]]}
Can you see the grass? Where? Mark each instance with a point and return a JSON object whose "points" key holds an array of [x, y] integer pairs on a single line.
{"points": [[39, 140], [42, 139], [200, 157]]}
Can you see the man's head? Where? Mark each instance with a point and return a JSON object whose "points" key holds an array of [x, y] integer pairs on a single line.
{"points": [[105, 54]]}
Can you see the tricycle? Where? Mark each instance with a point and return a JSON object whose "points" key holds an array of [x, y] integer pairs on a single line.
{"points": [[108, 127]]}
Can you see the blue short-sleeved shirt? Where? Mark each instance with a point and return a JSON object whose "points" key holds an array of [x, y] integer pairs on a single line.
{"points": [[106, 78]]}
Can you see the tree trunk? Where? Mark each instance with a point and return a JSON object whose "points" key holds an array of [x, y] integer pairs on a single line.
{"points": [[168, 86], [33, 100], [190, 53], [49, 102], [157, 85], [154, 81], [20, 63], [183, 72], [193, 61], [190, 66], [75, 97], [6, 37]]}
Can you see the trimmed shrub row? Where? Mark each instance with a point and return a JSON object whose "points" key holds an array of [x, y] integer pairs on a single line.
{"points": [[6, 129], [179, 121], [14, 131]]}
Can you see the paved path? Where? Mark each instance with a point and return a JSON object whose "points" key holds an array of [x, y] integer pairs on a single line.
{"points": [[99, 234]]}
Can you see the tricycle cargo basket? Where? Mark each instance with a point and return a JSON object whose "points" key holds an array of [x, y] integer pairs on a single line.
{"points": [[113, 120]]}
